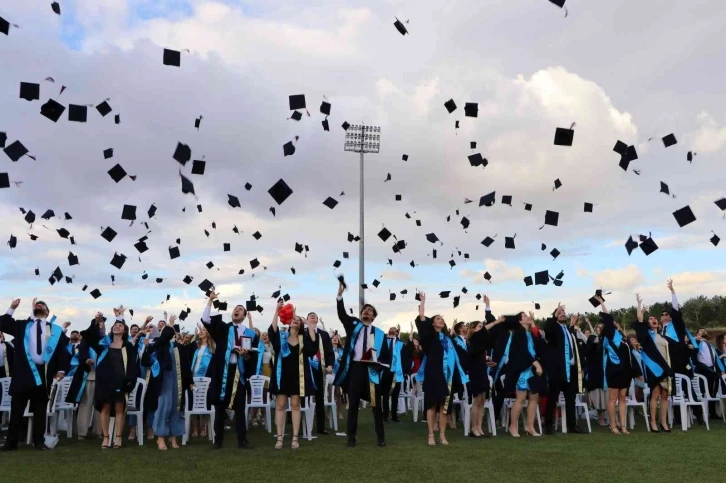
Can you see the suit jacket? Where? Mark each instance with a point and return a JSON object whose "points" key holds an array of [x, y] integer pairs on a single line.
{"points": [[556, 364], [327, 352], [349, 324], [23, 377]]}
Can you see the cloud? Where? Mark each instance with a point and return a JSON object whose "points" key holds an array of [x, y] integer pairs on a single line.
{"points": [[618, 279], [500, 271], [709, 137], [397, 276]]}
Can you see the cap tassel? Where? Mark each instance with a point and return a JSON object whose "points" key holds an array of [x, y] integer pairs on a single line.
{"points": [[50, 79]]}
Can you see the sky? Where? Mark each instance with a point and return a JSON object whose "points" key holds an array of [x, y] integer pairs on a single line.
{"points": [[619, 70]]}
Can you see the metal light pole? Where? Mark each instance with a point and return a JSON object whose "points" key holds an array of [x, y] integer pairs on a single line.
{"points": [[362, 139]]}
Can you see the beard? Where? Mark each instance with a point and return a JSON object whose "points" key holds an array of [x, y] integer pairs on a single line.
{"points": [[40, 312]]}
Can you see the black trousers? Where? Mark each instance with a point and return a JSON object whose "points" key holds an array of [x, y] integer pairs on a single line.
{"points": [[569, 389], [238, 405], [393, 389], [38, 398], [319, 400], [359, 388], [712, 382], [498, 398]]}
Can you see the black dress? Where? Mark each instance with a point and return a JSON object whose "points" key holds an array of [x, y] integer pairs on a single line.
{"points": [[478, 377], [463, 353], [290, 371], [521, 359], [620, 375], [594, 370], [651, 351], [435, 387]]}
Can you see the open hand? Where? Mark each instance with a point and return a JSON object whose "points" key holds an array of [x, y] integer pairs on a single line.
{"points": [[669, 284], [66, 325], [14, 304]]}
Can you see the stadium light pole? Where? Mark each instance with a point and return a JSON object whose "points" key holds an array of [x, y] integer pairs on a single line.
{"points": [[362, 139]]}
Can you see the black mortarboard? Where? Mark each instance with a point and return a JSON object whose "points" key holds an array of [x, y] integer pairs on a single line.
{"points": [[325, 108], [336, 264], [669, 140], [558, 183], [450, 105], [400, 27], [187, 186], [528, 281], [117, 173], [257, 235], [715, 239], [457, 299], [330, 202], [375, 283], [384, 234], [37, 271], [48, 215], [445, 294], [488, 200], [254, 264], [77, 113], [4, 26], [477, 159], [404, 157], [563, 137], [471, 109], [280, 191], [108, 153], [487, 242], [551, 218], [452, 263], [15, 151], [183, 315], [151, 211], [248, 186], [487, 276], [67, 216], [465, 222], [187, 280], [648, 246], [400, 245], [430, 237], [251, 305], [297, 101], [233, 201], [141, 246], [53, 110], [172, 57], [275, 294], [108, 234], [345, 125], [664, 188], [144, 276], [398, 197], [12, 243], [507, 200], [527, 207], [541, 278], [210, 265], [182, 153], [174, 252], [118, 260], [509, 242], [63, 232], [298, 247], [631, 245], [588, 207], [392, 296], [198, 166], [30, 217], [117, 119], [3, 139], [288, 149], [555, 253], [418, 222], [57, 274], [95, 293], [296, 116], [29, 91], [326, 125], [103, 108], [226, 247], [72, 259], [721, 204], [205, 286], [33, 237], [684, 216], [128, 213]]}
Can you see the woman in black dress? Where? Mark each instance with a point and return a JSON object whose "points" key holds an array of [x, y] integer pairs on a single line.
{"points": [[620, 368], [116, 370], [294, 348], [594, 373], [523, 371], [440, 365]]}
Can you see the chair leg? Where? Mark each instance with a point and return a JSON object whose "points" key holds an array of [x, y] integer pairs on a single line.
{"points": [[539, 420], [187, 425], [210, 429], [30, 430], [684, 415], [705, 414]]}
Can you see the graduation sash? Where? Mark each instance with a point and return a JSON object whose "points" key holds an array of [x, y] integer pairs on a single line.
{"points": [[174, 349], [451, 363], [652, 366], [396, 366], [261, 348], [204, 363], [353, 338], [717, 360], [339, 355], [227, 354], [74, 360], [609, 352], [524, 376], [421, 370], [504, 359], [239, 374], [301, 361], [461, 342], [567, 351], [670, 332]]}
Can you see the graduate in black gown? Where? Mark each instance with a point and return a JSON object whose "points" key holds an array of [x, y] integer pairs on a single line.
{"points": [[460, 337], [594, 373], [116, 371], [479, 344], [523, 374], [500, 341], [440, 365], [656, 361], [321, 364], [293, 378]]}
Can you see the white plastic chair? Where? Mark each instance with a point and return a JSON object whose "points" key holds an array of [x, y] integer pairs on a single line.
{"points": [[60, 406], [307, 411], [405, 396], [705, 396], [133, 410], [196, 405], [579, 404], [632, 402], [721, 396], [6, 398], [418, 407], [465, 406], [329, 402], [48, 413], [684, 398], [259, 398]]}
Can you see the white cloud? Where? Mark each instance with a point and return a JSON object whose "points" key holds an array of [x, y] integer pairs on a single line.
{"points": [[618, 279], [709, 137], [501, 272]]}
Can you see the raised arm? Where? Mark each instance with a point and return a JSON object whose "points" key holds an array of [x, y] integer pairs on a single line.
{"points": [[276, 316], [639, 310], [7, 323], [422, 308], [343, 316], [249, 319], [423, 324], [674, 298], [676, 315]]}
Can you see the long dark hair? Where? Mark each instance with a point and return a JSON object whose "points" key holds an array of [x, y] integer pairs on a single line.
{"points": [[125, 336]]}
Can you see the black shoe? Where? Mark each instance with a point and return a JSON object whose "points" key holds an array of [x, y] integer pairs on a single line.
{"points": [[578, 430], [381, 443], [244, 444], [395, 420], [323, 433], [351, 442], [662, 428], [41, 447], [385, 420], [217, 445], [9, 447], [549, 431]]}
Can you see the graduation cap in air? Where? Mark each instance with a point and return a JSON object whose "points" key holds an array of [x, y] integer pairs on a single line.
{"points": [[33, 237], [326, 125], [210, 265], [471, 109], [182, 153], [627, 154], [375, 283], [205, 286], [57, 274], [186, 185], [477, 160], [488, 200], [104, 108], [117, 119], [198, 122], [631, 245], [128, 213], [233, 201], [226, 247], [325, 108], [384, 234], [588, 207], [254, 264], [457, 299], [330, 203], [450, 105], [684, 216], [472, 144], [404, 157], [507, 200], [444, 295], [541, 278], [15, 151], [30, 217], [648, 246], [3, 139], [669, 140], [555, 253], [280, 191], [452, 263], [48, 215], [721, 204], [715, 239], [392, 296], [4, 26], [117, 173], [509, 242], [95, 293], [345, 126], [198, 166], [144, 276], [141, 246], [63, 232], [528, 281], [12, 243], [400, 27], [257, 235], [487, 242], [77, 113], [564, 137], [527, 207], [465, 222], [72, 259], [487, 277], [172, 58], [52, 109], [288, 149], [551, 218], [174, 252], [297, 101], [29, 91], [118, 260], [108, 153], [558, 184]]}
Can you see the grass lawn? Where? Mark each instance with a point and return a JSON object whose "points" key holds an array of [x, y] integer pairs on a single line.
{"points": [[697, 456]]}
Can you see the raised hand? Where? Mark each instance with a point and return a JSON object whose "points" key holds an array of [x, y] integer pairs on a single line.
{"points": [[340, 289], [99, 317], [486, 300], [172, 319], [213, 295], [66, 325], [14, 304], [422, 297], [279, 305], [640, 300], [669, 284], [148, 319]]}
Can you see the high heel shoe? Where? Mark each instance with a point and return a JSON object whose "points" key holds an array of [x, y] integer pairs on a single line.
{"points": [[654, 428], [532, 433], [664, 429], [615, 430], [624, 430]]}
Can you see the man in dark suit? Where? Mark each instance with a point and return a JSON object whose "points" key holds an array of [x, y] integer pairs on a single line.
{"points": [[564, 369], [40, 355], [231, 370], [321, 365], [360, 367], [391, 380]]}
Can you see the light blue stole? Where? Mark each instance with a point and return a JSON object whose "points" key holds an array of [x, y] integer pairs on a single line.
{"points": [[228, 353], [55, 333], [260, 352], [451, 360], [526, 375], [671, 333], [378, 336], [650, 363], [204, 363], [396, 365], [505, 358], [567, 351], [609, 352], [74, 360], [339, 355]]}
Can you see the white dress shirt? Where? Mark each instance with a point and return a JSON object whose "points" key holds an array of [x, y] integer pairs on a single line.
{"points": [[358, 348], [705, 356]]}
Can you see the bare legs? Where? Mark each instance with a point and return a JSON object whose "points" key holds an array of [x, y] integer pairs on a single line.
{"points": [[623, 410], [296, 417], [280, 416], [659, 392], [516, 411], [105, 420], [531, 413], [431, 422], [477, 415], [612, 399], [442, 427]]}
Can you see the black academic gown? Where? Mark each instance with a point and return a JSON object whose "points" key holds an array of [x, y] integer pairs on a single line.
{"points": [[680, 355], [521, 359], [23, 378], [594, 370], [464, 355], [182, 369], [323, 349], [435, 386], [650, 349], [556, 364], [618, 375], [478, 376], [82, 370], [291, 378]]}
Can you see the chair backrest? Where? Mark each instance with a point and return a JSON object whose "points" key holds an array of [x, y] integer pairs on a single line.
{"points": [[6, 397], [683, 389], [62, 391], [719, 393], [561, 398], [140, 383], [198, 401], [257, 390], [630, 397], [697, 387]]}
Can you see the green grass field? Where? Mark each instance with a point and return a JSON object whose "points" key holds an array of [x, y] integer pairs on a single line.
{"points": [[697, 456]]}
